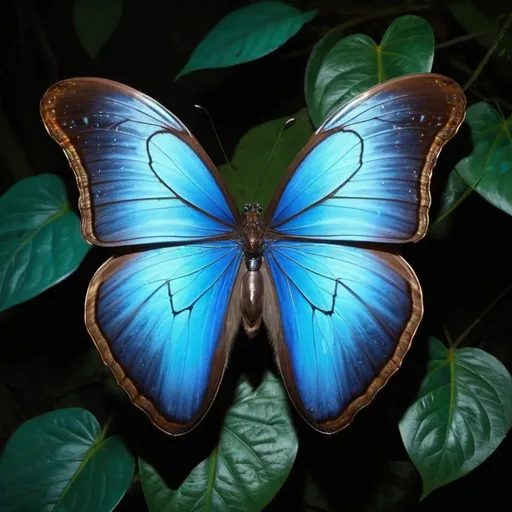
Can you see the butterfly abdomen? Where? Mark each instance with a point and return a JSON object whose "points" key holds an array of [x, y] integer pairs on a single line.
{"points": [[251, 297], [251, 293]]}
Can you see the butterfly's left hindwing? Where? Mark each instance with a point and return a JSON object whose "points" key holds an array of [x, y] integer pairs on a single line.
{"points": [[346, 320], [163, 321]]}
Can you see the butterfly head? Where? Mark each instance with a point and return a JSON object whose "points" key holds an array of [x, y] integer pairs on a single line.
{"points": [[252, 208]]}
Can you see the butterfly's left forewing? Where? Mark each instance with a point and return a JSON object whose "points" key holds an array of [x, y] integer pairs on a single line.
{"points": [[163, 321], [143, 177]]}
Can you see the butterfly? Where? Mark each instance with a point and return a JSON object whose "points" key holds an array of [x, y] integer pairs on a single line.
{"points": [[317, 268]]}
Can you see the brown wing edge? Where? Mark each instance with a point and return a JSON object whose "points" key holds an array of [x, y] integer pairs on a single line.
{"points": [[220, 361], [458, 112], [272, 318], [50, 102]]}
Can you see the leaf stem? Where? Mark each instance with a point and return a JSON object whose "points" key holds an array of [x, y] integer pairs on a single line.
{"points": [[457, 40], [489, 53], [464, 335], [106, 426], [447, 335]]}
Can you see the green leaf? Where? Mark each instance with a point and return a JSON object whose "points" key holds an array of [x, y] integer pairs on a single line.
{"points": [[454, 192], [247, 34], [95, 22], [255, 454], [63, 461], [315, 60], [252, 155], [488, 169], [463, 412], [357, 63], [40, 238]]}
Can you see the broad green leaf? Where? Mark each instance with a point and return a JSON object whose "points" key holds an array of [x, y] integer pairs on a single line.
{"points": [[62, 461], [463, 412], [357, 63], [252, 155], [95, 22], [454, 192], [488, 169], [247, 34], [252, 460], [315, 60], [40, 238]]}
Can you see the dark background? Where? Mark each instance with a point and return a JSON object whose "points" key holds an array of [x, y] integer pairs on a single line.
{"points": [[47, 360]]}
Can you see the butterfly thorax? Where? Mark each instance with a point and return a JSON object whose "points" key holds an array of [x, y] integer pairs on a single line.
{"points": [[251, 293], [252, 231]]}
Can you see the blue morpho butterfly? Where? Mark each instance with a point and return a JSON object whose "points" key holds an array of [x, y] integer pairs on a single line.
{"points": [[341, 312]]}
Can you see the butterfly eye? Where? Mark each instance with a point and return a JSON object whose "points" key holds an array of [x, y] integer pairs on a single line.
{"points": [[259, 210], [245, 210]]}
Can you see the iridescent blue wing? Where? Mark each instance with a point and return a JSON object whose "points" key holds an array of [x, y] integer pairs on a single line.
{"points": [[341, 319], [365, 174], [163, 321], [143, 177]]}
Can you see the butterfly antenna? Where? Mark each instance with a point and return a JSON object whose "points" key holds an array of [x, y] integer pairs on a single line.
{"points": [[212, 124], [287, 125]]}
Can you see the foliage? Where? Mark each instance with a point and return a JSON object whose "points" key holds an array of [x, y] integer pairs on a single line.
{"points": [[40, 240], [247, 467], [62, 460]]}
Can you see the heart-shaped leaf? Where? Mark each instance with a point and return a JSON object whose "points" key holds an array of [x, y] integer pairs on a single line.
{"points": [[252, 155], [357, 63], [247, 34], [488, 169], [454, 193], [40, 238], [62, 460], [255, 454], [463, 412], [95, 22], [315, 60]]}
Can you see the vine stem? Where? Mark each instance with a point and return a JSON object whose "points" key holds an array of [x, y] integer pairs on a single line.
{"points": [[106, 426], [489, 53], [447, 335], [457, 40], [464, 335]]}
